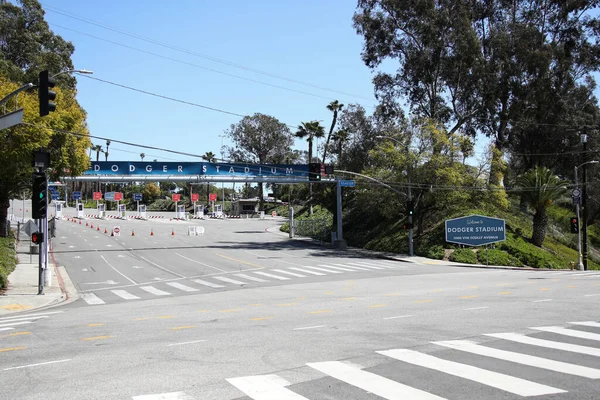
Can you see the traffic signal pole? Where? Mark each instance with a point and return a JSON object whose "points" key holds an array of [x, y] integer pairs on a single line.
{"points": [[411, 251]]}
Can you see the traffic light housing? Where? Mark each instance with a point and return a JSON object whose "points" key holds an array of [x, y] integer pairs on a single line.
{"points": [[39, 196], [408, 225], [314, 172], [410, 208], [37, 237], [46, 96], [574, 225]]}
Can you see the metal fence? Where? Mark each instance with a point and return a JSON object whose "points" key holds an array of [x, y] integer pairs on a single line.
{"points": [[319, 229]]}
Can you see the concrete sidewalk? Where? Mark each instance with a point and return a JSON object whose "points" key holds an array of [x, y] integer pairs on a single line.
{"points": [[21, 294]]}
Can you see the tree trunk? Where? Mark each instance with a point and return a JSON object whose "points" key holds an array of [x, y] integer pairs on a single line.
{"points": [[540, 222], [4, 204], [335, 114]]}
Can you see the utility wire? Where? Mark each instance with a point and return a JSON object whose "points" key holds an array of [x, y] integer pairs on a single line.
{"points": [[189, 52]]}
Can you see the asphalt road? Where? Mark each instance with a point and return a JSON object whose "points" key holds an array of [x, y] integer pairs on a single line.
{"points": [[407, 331]]}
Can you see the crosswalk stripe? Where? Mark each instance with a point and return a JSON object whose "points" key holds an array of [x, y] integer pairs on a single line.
{"points": [[347, 269], [22, 319], [92, 299], [587, 323], [181, 286], [497, 380], [569, 332], [378, 385], [307, 271], [229, 280], [6, 329], [124, 294], [365, 265], [574, 348], [29, 315], [250, 278], [324, 270], [532, 361], [281, 278], [354, 267], [164, 396], [209, 284], [374, 264], [264, 387], [155, 291], [289, 273]]}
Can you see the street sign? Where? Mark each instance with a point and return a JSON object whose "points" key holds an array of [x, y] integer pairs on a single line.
{"points": [[212, 197], [30, 227], [576, 193], [347, 183], [576, 201], [55, 195], [137, 197], [176, 197], [116, 231], [475, 230], [118, 196], [97, 195], [76, 195], [109, 196], [195, 196]]}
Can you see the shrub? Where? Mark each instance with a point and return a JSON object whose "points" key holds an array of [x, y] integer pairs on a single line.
{"points": [[436, 252], [8, 259], [466, 256], [496, 257]]}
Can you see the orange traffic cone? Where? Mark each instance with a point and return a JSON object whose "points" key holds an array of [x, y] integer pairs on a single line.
{"points": [[98, 228], [151, 232], [86, 224], [173, 232], [112, 234], [105, 230], [92, 226], [79, 222], [132, 233]]}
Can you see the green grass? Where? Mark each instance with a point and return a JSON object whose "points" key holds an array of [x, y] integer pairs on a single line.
{"points": [[8, 259], [465, 256]]}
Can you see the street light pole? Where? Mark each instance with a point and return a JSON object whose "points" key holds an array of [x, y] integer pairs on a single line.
{"points": [[581, 261]]}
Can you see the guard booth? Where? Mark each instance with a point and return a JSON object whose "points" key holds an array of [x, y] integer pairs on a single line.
{"points": [[142, 211], [122, 211], [101, 210], [199, 211], [80, 210], [180, 213], [58, 210]]}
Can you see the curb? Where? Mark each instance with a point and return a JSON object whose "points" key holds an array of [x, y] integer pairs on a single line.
{"points": [[65, 283]]}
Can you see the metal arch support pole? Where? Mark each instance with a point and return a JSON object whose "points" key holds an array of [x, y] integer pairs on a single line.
{"points": [[340, 243], [579, 257], [584, 246], [411, 251]]}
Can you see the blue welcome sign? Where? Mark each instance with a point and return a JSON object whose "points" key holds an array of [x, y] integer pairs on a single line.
{"points": [[475, 230], [195, 168]]}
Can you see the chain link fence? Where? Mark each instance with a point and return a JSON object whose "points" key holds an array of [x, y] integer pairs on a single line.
{"points": [[319, 229]]}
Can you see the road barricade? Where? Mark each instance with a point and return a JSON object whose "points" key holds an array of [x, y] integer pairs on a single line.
{"points": [[195, 231]]}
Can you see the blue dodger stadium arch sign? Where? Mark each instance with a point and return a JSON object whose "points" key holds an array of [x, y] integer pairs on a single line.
{"points": [[475, 230]]}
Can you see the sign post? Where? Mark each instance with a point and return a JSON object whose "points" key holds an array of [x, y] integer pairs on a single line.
{"points": [[194, 197], [475, 230], [176, 197], [212, 197], [137, 197], [118, 197]]}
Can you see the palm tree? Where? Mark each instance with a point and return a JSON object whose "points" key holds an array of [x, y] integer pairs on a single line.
{"points": [[335, 107], [142, 156], [539, 188], [340, 137], [310, 130], [106, 152], [98, 149]]}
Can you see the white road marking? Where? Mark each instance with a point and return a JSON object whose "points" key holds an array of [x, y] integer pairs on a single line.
{"points": [[163, 268], [574, 348], [109, 245], [15, 323], [365, 266], [121, 256], [198, 262], [229, 280], [30, 315], [265, 387], [77, 257], [372, 383], [374, 264], [25, 319], [281, 278], [71, 247], [155, 291], [542, 301], [569, 332], [164, 396], [476, 308], [182, 343], [587, 323], [507, 383], [354, 267], [347, 269], [532, 361], [308, 327], [398, 316], [180, 286], [307, 271], [250, 278], [37, 364], [591, 295], [84, 270], [137, 267], [209, 284], [6, 329], [323, 269], [119, 272], [281, 271], [124, 294]]}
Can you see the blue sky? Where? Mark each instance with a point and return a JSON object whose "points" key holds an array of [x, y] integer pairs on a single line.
{"points": [[311, 41]]}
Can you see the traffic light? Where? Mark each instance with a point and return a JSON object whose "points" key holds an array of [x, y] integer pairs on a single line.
{"points": [[37, 237], [329, 170], [408, 225], [574, 225], [410, 208], [46, 95], [314, 172], [39, 196]]}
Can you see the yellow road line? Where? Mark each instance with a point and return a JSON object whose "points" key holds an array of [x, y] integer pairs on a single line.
{"points": [[319, 312], [142, 318], [177, 328], [468, 297], [203, 311], [261, 318], [300, 298], [15, 307], [377, 305], [348, 298], [232, 310], [240, 261], [16, 334], [505, 293], [256, 304], [165, 317], [97, 337], [329, 292], [12, 349], [286, 304], [99, 324], [544, 288], [424, 301]]}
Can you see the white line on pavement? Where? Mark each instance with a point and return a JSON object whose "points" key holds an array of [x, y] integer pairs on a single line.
{"points": [[92, 299], [180, 286], [475, 308], [24, 319], [209, 284], [307, 271], [265, 387], [182, 343], [229, 280], [324, 270], [30, 315], [587, 323], [125, 294], [591, 295], [356, 268], [164, 396], [399, 316], [37, 364], [541, 301], [569, 332], [308, 327], [250, 278], [6, 329], [163, 268], [15, 323], [288, 273], [119, 272], [281, 278], [198, 262], [155, 291], [574, 348], [338, 268]]}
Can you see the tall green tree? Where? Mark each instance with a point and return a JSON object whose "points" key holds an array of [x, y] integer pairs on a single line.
{"points": [[260, 139], [539, 188], [106, 152], [335, 107], [98, 149], [142, 156], [310, 131]]}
